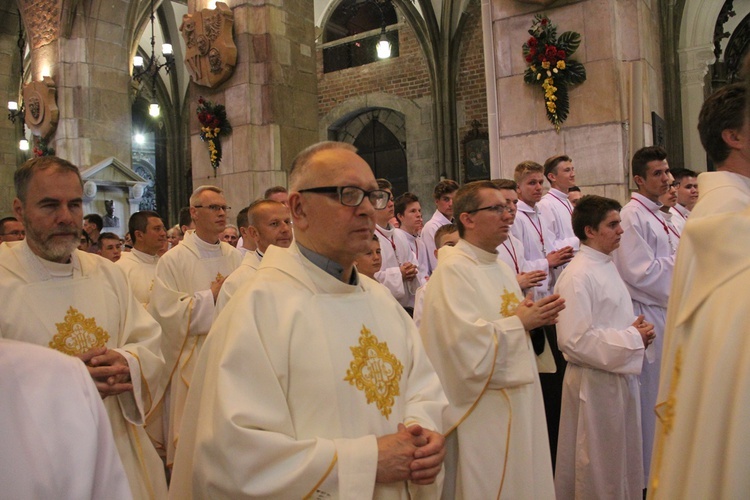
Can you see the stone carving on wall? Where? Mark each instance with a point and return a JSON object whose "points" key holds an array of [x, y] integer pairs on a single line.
{"points": [[41, 107], [210, 54], [42, 20]]}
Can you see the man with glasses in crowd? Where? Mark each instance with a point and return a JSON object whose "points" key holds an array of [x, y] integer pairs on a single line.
{"points": [[313, 381], [11, 229], [187, 284], [474, 329]]}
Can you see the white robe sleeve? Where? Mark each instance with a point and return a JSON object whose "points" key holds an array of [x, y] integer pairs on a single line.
{"points": [[392, 279], [608, 349], [638, 265]]}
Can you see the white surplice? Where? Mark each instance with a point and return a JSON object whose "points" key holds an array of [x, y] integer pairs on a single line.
{"points": [[557, 212], [679, 216], [395, 250], [487, 366], [140, 269], [182, 302], [599, 450], [437, 221], [702, 441], [419, 250], [76, 307], [58, 441], [645, 261], [246, 270], [300, 373], [537, 241]]}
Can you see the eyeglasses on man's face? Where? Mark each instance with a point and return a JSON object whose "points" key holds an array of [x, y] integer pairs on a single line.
{"points": [[215, 208], [498, 209], [352, 196]]}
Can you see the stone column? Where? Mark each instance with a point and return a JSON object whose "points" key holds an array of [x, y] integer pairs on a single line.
{"points": [[694, 63], [620, 50], [271, 99], [10, 134], [86, 55]]}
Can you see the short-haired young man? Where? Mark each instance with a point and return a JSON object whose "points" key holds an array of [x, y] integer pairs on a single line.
{"points": [[110, 246], [645, 260], [599, 450], [474, 328], [555, 206], [687, 196], [725, 134], [148, 234], [408, 213], [443, 195], [399, 272], [539, 247], [93, 224]]}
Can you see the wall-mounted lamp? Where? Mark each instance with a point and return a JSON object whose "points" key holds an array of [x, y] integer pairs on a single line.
{"points": [[16, 110]]}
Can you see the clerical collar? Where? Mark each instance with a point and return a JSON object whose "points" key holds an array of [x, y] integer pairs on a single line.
{"points": [[207, 249], [144, 257], [327, 265]]}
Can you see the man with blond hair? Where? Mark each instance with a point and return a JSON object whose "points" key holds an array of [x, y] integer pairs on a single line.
{"points": [[187, 284]]}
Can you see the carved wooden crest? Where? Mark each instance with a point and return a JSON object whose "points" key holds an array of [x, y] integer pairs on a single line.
{"points": [[41, 107], [210, 54]]}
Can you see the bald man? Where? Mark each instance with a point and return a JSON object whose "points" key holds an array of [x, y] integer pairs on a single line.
{"points": [[314, 381], [269, 223]]}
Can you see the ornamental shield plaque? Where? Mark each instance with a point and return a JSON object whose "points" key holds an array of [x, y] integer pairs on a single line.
{"points": [[41, 107], [210, 54]]}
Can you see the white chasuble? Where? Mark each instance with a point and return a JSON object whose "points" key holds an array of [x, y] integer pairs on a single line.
{"points": [[599, 451], [140, 269], [487, 365], [703, 408], [300, 374], [240, 276], [93, 308], [183, 304]]}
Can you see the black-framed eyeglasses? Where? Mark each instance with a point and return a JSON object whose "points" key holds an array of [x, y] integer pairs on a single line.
{"points": [[352, 196], [675, 184], [215, 208], [498, 209]]}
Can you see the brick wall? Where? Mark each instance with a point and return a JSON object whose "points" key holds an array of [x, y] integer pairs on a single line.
{"points": [[471, 87], [405, 76]]}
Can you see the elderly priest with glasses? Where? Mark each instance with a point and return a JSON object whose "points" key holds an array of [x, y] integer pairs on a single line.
{"points": [[314, 380]]}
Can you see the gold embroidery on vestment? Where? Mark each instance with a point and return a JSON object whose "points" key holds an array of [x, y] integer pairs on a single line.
{"points": [[78, 334], [509, 303], [376, 371], [219, 277], [665, 411]]}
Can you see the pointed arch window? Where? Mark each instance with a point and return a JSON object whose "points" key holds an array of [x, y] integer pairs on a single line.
{"points": [[353, 30]]}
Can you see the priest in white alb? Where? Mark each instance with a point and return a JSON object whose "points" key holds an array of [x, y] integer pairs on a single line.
{"points": [[314, 382], [599, 451], [148, 234], [80, 304], [187, 284], [702, 445], [268, 223], [474, 328]]}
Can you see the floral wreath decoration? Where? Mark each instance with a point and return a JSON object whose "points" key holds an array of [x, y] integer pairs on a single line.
{"points": [[214, 125], [550, 67]]}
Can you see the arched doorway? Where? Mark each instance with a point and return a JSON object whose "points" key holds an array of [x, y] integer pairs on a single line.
{"points": [[383, 152]]}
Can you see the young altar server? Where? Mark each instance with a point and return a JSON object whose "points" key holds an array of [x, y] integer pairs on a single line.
{"points": [[599, 452]]}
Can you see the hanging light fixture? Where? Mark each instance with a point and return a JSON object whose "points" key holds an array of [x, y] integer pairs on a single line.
{"points": [[384, 46], [152, 66]]}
